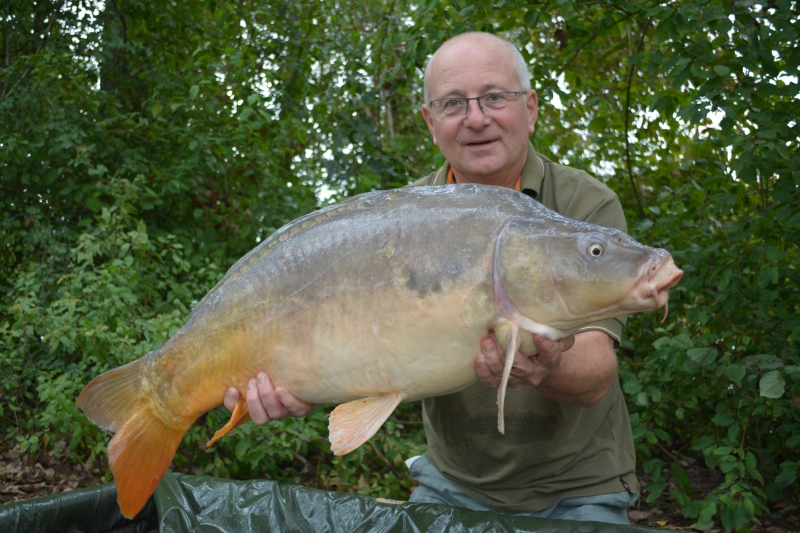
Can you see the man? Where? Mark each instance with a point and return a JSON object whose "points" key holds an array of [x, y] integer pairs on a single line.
{"points": [[567, 452]]}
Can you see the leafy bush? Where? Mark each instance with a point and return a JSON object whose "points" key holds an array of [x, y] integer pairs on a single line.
{"points": [[144, 150]]}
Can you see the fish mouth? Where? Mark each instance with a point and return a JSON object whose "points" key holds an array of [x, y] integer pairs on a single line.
{"points": [[658, 277]]}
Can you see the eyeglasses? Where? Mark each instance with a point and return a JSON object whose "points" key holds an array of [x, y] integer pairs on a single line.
{"points": [[453, 108]]}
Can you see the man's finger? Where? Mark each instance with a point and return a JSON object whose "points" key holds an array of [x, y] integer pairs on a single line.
{"points": [[491, 354], [549, 351], [567, 343], [485, 373], [293, 405], [258, 414], [231, 398], [523, 365], [272, 403]]}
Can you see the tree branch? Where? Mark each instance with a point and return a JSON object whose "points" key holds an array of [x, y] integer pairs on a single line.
{"points": [[6, 52], [631, 70], [578, 51]]}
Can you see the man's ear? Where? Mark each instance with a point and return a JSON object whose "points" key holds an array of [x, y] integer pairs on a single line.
{"points": [[532, 103], [426, 113]]}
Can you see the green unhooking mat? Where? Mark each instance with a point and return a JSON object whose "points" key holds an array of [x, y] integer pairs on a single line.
{"points": [[183, 504]]}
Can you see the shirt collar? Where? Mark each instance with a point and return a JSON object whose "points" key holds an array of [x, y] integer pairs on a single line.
{"points": [[451, 179], [532, 173]]}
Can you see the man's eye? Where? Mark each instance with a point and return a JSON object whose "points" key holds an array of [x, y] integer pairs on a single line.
{"points": [[452, 103], [494, 97]]}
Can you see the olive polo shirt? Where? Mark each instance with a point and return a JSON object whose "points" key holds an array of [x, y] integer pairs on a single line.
{"points": [[550, 450]]}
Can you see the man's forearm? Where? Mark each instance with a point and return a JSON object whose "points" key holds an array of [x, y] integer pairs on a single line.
{"points": [[585, 373]]}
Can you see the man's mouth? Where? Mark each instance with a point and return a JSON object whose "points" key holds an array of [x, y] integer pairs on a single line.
{"points": [[480, 144]]}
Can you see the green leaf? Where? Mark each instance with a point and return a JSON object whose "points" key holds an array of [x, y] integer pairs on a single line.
{"points": [[723, 281], [241, 449], [155, 109], [467, 11], [721, 70], [772, 384], [531, 18], [724, 420], [193, 92], [735, 372], [723, 450], [733, 432], [788, 473], [641, 398], [743, 514], [681, 499], [702, 356], [681, 477], [726, 514], [705, 520]]}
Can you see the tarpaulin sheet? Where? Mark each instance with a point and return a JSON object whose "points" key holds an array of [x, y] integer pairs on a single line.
{"points": [[92, 510], [183, 504]]}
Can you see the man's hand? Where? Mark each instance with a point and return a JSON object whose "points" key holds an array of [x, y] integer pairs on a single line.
{"points": [[579, 369], [527, 371], [267, 403]]}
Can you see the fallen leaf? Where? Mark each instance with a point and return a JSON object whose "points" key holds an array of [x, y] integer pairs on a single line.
{"points": [[638, 516], [12, 489]]}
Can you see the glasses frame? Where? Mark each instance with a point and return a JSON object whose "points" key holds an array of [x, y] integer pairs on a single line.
{"points": [[476, 98]]}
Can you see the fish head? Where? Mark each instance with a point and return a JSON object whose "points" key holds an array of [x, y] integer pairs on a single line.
{"points": [[564, 274]]}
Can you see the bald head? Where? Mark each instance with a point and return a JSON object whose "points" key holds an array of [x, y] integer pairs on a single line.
{"points": [[506, 52]]}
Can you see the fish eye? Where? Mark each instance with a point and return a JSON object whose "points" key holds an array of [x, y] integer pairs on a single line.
{"points": [[595, 250]]}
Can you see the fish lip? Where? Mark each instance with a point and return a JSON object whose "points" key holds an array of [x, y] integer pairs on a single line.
{"points": [[658, 276]]}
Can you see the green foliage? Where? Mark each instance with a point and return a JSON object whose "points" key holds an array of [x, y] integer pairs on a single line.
{"points": [[298, 451], [143, 150]]}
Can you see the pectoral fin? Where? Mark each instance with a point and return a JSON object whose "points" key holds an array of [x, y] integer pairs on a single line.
{"points": [[353, 423], [511, 350], [240, 415]]}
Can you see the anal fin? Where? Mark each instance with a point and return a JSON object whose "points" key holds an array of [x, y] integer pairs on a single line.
{"points": [[240, 415], [353, 423], [511, 352]]}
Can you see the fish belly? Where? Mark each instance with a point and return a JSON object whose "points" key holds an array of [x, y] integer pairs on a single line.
{"points": [[392, 341]]}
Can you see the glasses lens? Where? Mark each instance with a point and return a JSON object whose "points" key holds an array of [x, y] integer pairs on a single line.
{"points": [[449, 108], [497, 100]]}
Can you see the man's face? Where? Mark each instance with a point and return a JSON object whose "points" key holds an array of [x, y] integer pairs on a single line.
{"points": [[482, 148]]}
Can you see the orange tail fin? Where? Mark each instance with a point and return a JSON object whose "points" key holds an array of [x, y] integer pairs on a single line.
{"points": [[143, 448]]}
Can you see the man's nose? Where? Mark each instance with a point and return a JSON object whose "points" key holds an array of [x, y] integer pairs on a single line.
{"points": [[475, 116]]}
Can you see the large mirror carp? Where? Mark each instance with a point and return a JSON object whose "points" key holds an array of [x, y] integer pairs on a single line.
{"points": [[378, 300]]}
